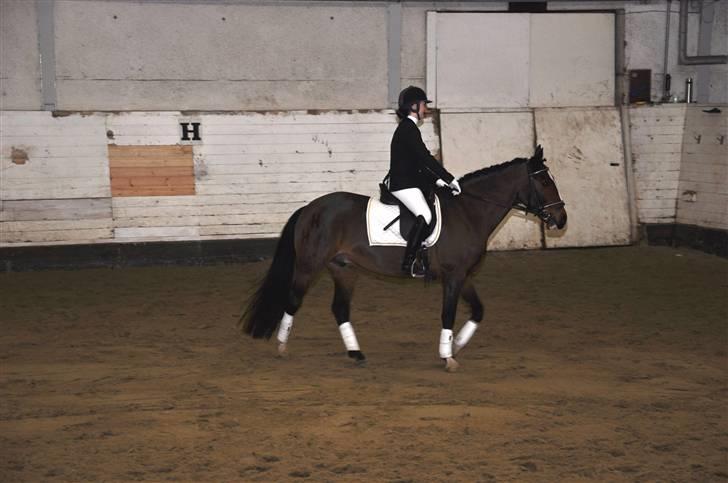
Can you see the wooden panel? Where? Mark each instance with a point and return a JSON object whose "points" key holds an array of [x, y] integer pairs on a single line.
{"points": [[38, 210], [151, 170], [471, 141], [703, 186], [243, 180], [251, 170], [584, 150], [656, 139]]}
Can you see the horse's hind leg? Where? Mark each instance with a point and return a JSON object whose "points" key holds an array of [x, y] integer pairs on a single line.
{"points": [[476, 315], [344, 280]]}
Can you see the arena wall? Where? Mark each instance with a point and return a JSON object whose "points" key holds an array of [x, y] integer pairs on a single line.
{"points": [[293, 99]]}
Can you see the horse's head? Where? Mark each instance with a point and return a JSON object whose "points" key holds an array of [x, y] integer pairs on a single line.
{"points": [[543, 197]]}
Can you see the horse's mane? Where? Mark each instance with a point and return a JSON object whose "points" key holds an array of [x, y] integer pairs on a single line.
{"points": [[492, 169]]}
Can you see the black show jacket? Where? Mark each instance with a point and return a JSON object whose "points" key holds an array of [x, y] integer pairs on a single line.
{"points": [[411, 165]]}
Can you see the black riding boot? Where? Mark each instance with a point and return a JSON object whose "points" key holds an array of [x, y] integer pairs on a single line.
{"points": [[414, 243]]}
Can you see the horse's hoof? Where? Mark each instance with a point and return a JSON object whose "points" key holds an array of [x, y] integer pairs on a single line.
{"points": [[358, 357], [451, 365], [283, 351]]}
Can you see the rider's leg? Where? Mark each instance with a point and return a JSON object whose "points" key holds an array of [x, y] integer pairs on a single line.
{"points": [[414, 200], [414, 243]]}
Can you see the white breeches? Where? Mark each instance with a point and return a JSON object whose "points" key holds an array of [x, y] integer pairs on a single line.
{"points": [[414, 200]]}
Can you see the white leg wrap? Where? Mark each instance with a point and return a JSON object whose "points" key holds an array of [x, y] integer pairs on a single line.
{"points": [[445, 343], [463, 337], [347, 333], [284, 330]]}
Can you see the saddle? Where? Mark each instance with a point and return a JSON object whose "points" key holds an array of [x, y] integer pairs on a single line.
{"points": [[406, 217]]}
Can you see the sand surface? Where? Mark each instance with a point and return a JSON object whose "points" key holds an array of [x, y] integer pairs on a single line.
{"points": [[590, 365]]}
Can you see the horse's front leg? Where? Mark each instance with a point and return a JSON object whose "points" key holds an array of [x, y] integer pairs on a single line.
{"points": [[476, 315], [452, 286]]}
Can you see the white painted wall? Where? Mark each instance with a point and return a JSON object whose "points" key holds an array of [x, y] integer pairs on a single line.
{"points": [[703, 185], [586, 156], [656, 138], [680, 165], [252, 170], [54, 178]]}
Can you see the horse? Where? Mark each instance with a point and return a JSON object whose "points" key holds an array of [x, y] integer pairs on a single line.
{"points": [[330, 232]]}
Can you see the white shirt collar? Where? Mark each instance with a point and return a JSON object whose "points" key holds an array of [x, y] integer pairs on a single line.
{"points": [[414, 120]]}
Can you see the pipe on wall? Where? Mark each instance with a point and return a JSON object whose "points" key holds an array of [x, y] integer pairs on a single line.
{"points": [[682, 56]]}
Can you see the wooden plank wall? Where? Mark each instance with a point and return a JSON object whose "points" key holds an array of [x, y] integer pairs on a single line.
{"points": [[251, 171], [703, 184], [656, 137], [54, 179], [151, 170]]}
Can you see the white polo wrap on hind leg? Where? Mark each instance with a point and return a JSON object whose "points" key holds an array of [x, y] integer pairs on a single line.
{"points": [[284, 330], [347, 333], [445, 343], [463, 337]]}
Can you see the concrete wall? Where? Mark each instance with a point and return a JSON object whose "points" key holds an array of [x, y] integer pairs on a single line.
{"points": [[125, 56], [645, 27], [248, 55], [19, 56]]}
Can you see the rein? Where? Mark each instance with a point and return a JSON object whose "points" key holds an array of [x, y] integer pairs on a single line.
{"points": [[539, 211]]}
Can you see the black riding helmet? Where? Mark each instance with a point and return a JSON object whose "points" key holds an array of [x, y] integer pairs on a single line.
{"points": [[410, 95]]}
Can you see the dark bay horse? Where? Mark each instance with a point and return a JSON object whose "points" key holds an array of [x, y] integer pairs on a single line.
{"points": [[330, 232]]}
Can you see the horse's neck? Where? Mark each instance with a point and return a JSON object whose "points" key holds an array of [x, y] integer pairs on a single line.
{"points": [[497, 191]]}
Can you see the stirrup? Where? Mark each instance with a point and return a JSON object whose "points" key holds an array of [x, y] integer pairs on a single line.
{"points": [[419, 272], [419, 268]]}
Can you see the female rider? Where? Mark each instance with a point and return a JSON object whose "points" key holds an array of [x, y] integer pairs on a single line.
{"points": [[413, 171]]}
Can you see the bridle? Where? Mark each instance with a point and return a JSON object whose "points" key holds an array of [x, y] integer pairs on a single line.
{"points": [[538, 209]]}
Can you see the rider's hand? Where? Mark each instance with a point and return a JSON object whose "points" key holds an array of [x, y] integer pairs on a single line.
{"points": [[440, 183], [455, 187]]}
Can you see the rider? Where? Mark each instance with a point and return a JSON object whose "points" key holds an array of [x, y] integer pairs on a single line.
{"points": [[413, 171]]}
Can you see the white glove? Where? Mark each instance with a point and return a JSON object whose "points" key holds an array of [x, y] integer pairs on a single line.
{"points": [[455, 187], [440, 183]]}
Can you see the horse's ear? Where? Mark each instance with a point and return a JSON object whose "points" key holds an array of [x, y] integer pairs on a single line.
{"points": [[538, 155]]}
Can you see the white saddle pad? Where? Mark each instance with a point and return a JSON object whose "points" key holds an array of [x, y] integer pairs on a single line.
{"points": [[380, 215]]}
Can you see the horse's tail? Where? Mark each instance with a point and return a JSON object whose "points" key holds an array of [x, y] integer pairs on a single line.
{"points": [[266, 306]]}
